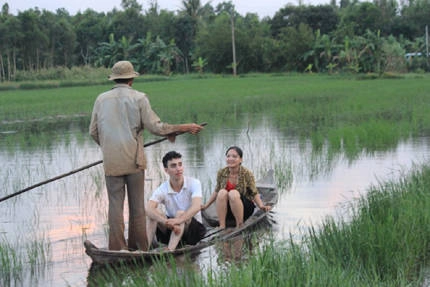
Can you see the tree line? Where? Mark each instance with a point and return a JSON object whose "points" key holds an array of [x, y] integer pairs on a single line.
{"points": [[352, 36]]}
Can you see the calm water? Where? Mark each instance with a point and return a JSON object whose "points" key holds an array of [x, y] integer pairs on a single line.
{"points": [[64, 213]]}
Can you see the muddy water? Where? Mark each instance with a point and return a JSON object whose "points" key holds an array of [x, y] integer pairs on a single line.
{"points": [[64, 213]]}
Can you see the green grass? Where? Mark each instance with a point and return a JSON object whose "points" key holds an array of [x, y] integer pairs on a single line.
{"points": [[15, 260], [346, 113], [302, 104], [388, 236], [11, 264], [38, 254]]}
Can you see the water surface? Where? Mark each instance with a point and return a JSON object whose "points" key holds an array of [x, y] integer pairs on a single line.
{"points": [[313, 185]]}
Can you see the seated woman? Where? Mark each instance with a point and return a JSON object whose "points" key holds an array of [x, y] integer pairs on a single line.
{"points": [[235, 193]]}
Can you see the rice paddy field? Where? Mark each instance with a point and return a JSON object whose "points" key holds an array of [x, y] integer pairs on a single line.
{"points": [[350, 157]]}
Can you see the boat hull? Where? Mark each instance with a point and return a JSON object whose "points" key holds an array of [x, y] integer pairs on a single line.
{"points": [[269, 196]]}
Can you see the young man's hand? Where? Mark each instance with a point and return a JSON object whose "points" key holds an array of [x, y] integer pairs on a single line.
{"points": [[173, 224]]}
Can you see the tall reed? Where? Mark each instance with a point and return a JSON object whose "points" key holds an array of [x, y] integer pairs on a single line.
{"points": [[387, 237], [38, 254], [11, 264]]}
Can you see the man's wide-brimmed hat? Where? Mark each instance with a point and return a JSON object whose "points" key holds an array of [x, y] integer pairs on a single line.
{"points": [[123, 70]]}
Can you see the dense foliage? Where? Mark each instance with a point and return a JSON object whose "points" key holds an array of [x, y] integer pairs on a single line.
{"points": [[353, 36]]}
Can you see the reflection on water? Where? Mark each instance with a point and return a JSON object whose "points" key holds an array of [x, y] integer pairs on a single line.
{"points": [[329, 194], [237, 249], [313, 184]]}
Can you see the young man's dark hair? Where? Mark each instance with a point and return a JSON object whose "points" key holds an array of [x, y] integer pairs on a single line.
{"points": [[169, 156]]}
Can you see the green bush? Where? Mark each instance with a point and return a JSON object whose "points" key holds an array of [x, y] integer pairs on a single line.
{"points": [[63, 73]]}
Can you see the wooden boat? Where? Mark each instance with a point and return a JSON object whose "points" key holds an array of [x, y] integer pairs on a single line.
{"points": [[269, 196]]}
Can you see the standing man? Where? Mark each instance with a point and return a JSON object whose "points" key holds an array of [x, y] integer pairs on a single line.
{"points": [[182, 197], [118, 119]]}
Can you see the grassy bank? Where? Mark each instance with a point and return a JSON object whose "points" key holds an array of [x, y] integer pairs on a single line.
{"points": [[385, 243], [316, 99], [61, 77], [347, 113]]}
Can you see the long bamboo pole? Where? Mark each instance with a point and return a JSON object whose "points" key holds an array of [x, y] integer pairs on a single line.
{"points": [[74, 171]]}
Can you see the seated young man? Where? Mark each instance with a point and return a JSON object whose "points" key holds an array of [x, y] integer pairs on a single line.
{"points": [[182, 197]]}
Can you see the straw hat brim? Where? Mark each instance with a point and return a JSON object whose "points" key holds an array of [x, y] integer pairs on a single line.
{"points": [[123, 76]]}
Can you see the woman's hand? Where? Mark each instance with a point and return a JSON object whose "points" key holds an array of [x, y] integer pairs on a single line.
{"points": [[266, 208]]}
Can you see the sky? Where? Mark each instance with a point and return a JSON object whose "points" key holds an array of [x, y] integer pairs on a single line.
{"points": [[262, 8]]}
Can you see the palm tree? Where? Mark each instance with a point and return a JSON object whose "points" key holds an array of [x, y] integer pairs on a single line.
{"points": [[192, 8], [167, 54], [191, 13]]}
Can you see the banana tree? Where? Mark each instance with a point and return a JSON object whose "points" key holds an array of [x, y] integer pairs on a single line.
{"points": [[111, 52], [200, 64]]}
